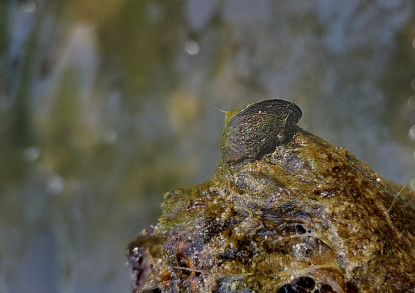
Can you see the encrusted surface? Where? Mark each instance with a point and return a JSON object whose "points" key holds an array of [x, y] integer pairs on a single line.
{"points": [[307, 217]]}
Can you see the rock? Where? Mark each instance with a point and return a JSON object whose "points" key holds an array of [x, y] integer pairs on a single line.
{"points": [[305, 216]]}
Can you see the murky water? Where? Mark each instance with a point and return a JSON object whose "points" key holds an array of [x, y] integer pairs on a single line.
{"points": [[106, 105]]}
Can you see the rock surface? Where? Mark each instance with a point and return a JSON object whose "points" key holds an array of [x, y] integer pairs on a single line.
{"points": [[304, 217]]}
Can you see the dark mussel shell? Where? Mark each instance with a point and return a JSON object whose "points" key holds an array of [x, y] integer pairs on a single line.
{"points": [[256, 128]]}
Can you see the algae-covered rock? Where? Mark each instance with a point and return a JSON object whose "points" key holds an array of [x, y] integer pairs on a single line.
{"points": [[302, 216]]}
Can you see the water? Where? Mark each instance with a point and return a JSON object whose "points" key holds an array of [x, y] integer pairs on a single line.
{"points": [[106, 105]]}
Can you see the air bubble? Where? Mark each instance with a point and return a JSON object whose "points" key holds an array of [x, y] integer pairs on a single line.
{"points": [[31, 154], [192, 48], [412, 132], [55, 185]]}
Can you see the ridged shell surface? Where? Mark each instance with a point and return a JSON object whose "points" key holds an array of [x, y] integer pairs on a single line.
{"points": [[257, 128]]}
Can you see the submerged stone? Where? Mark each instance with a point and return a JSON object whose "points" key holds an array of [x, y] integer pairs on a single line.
{"points": [[305, 216]]}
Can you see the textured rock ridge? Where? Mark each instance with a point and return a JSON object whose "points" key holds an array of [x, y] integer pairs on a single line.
{"points": [[304, 217]]}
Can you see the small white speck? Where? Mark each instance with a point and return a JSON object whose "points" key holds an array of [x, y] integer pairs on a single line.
{"points": [[135, 251], [31, 154], [192, 48], [55, 185]]}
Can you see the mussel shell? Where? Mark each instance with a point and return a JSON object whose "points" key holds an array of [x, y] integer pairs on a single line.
{"points": [[258, 127]]}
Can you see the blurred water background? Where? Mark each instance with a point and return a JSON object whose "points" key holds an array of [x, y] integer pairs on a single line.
{"points": [[107, 104]]}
